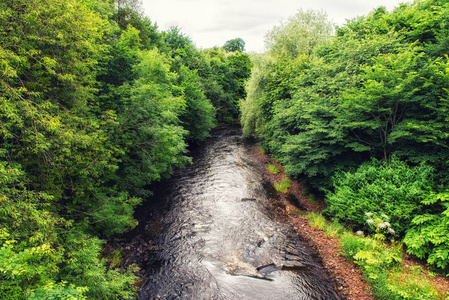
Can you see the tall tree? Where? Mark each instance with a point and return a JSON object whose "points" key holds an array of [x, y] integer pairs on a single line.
{"points": [[55, 154], [235, 45], [301, 33]]}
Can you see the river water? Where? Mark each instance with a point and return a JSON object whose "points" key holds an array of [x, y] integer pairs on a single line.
{"points": [[213, 236]]}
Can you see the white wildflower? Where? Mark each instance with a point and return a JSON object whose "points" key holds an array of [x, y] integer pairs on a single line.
{"points": [[382, 226], [368, 214], [387, 224], [391, 230], [370, 221], [359, 233]]}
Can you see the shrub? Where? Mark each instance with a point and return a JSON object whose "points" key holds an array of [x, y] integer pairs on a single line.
{"points": [[351, 245], [428, 238], [393, 189], [380, 264], [375, 259], [379, 225]]}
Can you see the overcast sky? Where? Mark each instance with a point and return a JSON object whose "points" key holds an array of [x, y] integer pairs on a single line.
{"points": [[213, 22]]}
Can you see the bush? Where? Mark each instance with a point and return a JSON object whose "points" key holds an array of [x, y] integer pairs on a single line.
{"points": [[428, 238], [351, 245], [376, 261], [379, 225], [393, 189], [410, 283], [380, 264]]}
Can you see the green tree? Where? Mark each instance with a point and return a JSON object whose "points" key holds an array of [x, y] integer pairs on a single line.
{"points": [[130, 12], [369, 92], [225, 80], [299, 36], [175, 39], [252, 118], [235, 45], [150, 133], [198, 115], [367, 109], [301, 33], [55, 153]]}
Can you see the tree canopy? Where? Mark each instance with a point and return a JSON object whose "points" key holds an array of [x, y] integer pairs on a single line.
{"points": [[233, 45], [329, 107], [95, 105]]}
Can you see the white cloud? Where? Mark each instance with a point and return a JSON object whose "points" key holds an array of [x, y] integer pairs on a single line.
{"points": [[213, 22]]}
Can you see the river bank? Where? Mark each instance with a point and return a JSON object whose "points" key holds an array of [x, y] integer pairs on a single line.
{"points": [[223, 216], [292, 207], [209, 232], [347, 277]]}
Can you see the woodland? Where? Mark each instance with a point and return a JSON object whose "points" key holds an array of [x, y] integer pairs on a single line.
{"points": [[360, 114], [96, 104]]}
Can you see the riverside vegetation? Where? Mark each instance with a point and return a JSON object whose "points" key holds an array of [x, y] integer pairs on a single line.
{"points": [[360, 114], [95, 104]]}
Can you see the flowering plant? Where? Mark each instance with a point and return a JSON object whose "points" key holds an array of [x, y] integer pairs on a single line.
{"points": [[379, 223]]}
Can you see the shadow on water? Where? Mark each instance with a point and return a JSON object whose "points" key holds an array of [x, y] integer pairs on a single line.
{"points": [[207, 233]]}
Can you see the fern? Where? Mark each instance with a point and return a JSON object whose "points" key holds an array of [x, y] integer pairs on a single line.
{"points": [[428, 238]]}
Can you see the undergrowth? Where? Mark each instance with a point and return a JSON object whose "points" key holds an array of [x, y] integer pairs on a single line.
{"points": [[283, 186], [273, 169], [380, 263]]}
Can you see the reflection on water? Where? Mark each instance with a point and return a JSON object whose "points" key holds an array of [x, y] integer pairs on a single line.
{"points": [[214, 238]]}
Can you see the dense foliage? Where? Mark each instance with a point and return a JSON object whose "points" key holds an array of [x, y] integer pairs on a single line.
{"points": [[380, 264], [95, 104], [428, 236], [329, 107], [394, 189]]}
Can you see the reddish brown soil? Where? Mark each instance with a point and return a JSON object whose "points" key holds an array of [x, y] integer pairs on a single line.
{"points": [[347, 277]]}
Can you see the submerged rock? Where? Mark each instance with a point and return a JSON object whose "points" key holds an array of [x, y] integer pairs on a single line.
{"points": [[249, 199]]}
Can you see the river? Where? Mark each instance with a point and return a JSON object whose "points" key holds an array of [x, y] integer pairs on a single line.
{"points": [[210, 234]]}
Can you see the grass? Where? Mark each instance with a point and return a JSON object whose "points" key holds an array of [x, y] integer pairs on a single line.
{"points": [[297, 212], [380, 264], [283, 186], [273, 169], [332, 229], [410, 283]]}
